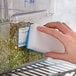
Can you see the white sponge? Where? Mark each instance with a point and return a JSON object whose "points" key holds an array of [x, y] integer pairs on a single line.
{"points": [[42, 42]]}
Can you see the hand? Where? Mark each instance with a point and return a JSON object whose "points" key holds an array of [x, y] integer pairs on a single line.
{"points": [[66, 36]]}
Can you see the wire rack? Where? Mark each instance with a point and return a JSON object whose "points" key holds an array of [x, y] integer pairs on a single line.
{"points": [[42, 68]]}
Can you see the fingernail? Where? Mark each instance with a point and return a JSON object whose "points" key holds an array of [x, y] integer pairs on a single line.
{"points": [[44, 25]]}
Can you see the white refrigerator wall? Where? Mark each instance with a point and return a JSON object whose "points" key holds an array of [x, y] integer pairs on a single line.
{"points": [[65, 11], [61, 10]]}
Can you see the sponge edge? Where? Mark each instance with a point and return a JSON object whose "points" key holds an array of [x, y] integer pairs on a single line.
{"points": [[41, 42]]}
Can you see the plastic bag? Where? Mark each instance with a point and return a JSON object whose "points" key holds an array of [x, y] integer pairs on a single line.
{"points": [[18, 16]]}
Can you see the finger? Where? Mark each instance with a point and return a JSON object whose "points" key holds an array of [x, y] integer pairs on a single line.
{"points": [[58, 25], [61, 56], [53, 32], [66, 26]]}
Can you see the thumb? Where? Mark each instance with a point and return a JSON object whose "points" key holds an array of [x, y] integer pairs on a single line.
{"points": [[61, 56]]}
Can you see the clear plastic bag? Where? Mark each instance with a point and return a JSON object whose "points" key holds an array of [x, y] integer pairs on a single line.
{"points": [[4, 45], [18, 16], [4, 10], [26, 6]]}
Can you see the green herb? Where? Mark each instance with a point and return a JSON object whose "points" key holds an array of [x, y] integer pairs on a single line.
{"points": [[11, 55]]}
